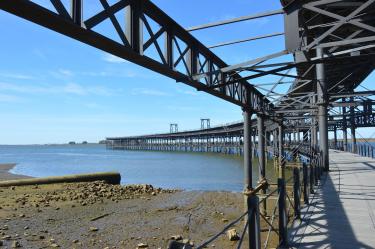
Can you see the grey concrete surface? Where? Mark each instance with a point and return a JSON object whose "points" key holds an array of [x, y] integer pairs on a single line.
{"points": [[342, 210]]}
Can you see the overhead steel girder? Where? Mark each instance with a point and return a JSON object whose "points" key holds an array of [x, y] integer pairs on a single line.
{"points": [[298, 31], [352, 94], [180, 57]]}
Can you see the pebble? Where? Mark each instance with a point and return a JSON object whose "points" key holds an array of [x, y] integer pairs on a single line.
{"points": [[54, 245], [232, 234], [176, 237], [93, 229], [142, 245], [75, 241], [15, 244], [7, 237]]}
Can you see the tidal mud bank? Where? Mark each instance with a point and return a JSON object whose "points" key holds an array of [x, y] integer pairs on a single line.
{"points": [[100, 215], [6, 175]]}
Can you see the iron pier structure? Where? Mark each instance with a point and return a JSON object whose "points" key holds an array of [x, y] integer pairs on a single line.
{"points": [[328, 52], [228, 138]]}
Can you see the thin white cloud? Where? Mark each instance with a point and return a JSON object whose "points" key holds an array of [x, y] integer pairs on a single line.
{"points": [[181, 108], [38, 53], [68, 88], [93, 105], [188, 92], [147, 91], [74, 88], [10, 98], [65, 72], [125, 73], [17, 76], [113, 59]]}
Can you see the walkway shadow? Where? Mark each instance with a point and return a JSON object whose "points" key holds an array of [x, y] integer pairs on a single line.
{"points": [[325, 223]]}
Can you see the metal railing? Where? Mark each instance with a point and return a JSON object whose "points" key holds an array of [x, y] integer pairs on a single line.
{"points": [[288, 197]]}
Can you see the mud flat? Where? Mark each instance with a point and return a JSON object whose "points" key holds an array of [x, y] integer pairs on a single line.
{"points": [[101, 215], [6, 175]]}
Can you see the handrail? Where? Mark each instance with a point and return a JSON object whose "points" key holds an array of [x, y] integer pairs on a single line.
{"points": [[222, 231]]}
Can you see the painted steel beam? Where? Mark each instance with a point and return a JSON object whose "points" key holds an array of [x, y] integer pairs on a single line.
{"points": [[192, 56], [246, 40], [352, 94], [238, 19]]}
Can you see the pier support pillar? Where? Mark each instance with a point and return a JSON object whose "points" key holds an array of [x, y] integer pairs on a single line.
{"points": [[313, 130], [322, 109], [335, 137], [281, 152], [253, 224], [344, 127], [262, 156], [352, 128]]}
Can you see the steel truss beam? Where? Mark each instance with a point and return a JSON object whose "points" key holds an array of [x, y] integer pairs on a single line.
{"points": [[181, 57], [322, 8]]}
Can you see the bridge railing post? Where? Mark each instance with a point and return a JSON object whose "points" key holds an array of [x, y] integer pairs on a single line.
{"points": [[254, 222], [312, 178], [305, 183], [283, 231], [297, 193], [316, 170]]}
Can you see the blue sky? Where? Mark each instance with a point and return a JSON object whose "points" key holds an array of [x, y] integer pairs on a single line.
{"points": [[54, 89]]}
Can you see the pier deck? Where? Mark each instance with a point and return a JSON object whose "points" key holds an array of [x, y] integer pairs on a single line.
{"points": [[342, 211]]}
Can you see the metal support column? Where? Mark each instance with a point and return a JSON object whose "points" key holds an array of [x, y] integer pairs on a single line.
{"points": [[283, 231], [335, 137], [322, 109], [281, 152], [344, 127], [254, 237], [352, 128], [262, 156]]}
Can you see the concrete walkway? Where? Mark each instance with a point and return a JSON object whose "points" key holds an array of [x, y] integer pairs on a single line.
{"points": [[342, 211]]}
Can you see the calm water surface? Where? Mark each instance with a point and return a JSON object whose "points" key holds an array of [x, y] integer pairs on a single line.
{"points": [[189, 171]]}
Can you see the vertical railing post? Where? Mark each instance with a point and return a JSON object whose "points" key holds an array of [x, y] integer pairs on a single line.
{"points": [[312, 179], [316, 174], [305, 183], [283, 232], [253, 216], [297, 194], [283, 240]]}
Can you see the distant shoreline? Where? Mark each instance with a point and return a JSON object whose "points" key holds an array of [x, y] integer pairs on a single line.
{"points": [[6, 175], [50, 144]]}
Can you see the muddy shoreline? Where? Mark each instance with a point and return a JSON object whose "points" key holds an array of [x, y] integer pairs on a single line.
{"points": [[100, 215], [6, 175]]}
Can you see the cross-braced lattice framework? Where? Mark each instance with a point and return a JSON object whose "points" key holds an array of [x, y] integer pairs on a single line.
{"points": [[175, 53]]}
